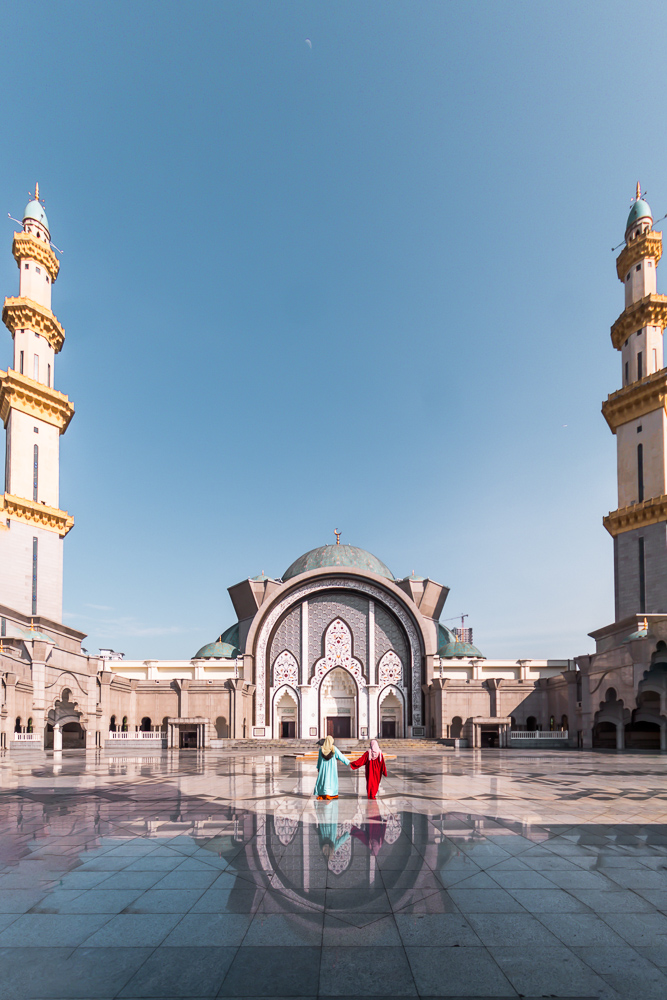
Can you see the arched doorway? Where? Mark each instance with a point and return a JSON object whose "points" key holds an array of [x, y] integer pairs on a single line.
{"points": [[286, 714], [338, 704], [391, 715], [642, 735], [74, 737], [604, 736], [456, 727], [145, 725]]}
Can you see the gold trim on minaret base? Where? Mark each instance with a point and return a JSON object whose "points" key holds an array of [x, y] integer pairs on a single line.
{"points": [[27, 246], [19, 392], [36, 514], [647, 245], [636, 400], [649, 311], [24, 314], [637, 515]]}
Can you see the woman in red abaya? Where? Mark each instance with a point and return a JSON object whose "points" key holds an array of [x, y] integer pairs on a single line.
{"points": [[373, 761]]}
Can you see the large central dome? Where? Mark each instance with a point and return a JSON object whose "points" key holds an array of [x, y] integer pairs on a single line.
{"points": [[337, 555]]}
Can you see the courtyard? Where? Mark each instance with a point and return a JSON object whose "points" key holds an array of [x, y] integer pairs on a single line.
{"points": [[203, 874]]}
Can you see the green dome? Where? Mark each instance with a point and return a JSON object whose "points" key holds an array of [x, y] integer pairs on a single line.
{"points": [[449, 647], [640, 210], [35, 210], [226, 646], [338, 555], [31, 633]]}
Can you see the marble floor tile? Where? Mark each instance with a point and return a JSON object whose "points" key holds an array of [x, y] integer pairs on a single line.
{"points": [[626, 971], [51, 930], [435, 929], [179, 972], [511, 929], [285, 929], [264, 972], [134, 930], [350, 971], [555, 967], [457, 971]]}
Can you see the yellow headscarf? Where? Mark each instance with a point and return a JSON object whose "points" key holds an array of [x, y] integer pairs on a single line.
{"points": [[328, 745]]}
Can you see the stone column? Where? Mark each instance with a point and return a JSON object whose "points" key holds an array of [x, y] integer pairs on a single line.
{"points": [[57, 737], [620, 735], [236, 708], [373, 714], [663, 736], [305, 711], [304, 643], [372, 665]]}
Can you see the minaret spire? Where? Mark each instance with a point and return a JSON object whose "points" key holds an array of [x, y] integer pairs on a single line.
{"points": [[37, 191], [639, 191]]}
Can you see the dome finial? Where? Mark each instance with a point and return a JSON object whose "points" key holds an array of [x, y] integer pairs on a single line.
{"points": [[36, 191], [337, 534], [639, 191]]}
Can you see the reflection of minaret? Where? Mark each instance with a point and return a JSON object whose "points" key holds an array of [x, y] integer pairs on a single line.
{"points": [[636, 415], [32, 526]]}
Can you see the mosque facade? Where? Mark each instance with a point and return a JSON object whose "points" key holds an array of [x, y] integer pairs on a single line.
{"points": [[337, 644]]}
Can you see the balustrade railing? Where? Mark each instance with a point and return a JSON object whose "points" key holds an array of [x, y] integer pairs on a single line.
{"points": [[26, 737], [140, 735], [539, 734]]}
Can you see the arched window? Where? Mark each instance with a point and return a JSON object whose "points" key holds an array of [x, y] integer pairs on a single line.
{"points": [[531, 724], [17, 727], [112, 724], [124, 725], [563, 724], [456, 727], [29, 726], [99, 691], [552, 724], [145, 725], [610, 694], [66, 695]]}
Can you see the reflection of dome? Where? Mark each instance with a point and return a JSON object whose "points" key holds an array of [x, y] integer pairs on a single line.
{"points": [[449, 647], [226, 647], [337, 555]]}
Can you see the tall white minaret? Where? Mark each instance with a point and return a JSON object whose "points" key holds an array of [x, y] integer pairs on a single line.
{"points": [[637, 415], [35, 414]]}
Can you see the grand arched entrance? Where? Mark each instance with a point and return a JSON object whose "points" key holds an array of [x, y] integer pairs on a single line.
{"points": [[338, 704]]}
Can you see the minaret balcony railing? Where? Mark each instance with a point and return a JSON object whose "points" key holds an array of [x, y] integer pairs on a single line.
{"points": [[636, 400], [636, 515], [39, 515], [647, 245], [28, 247], [649, 311], [19, 392], [24, 314]]}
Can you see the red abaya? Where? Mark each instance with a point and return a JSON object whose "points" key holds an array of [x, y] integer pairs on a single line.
{"points": [[374, 771]]}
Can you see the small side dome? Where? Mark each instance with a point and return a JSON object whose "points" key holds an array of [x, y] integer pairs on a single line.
{"points": [[30, 633], [226, 646], [338, 555], [450, 648]]}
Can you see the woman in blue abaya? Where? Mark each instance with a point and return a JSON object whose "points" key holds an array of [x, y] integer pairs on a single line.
{"points": [[326, 786]]}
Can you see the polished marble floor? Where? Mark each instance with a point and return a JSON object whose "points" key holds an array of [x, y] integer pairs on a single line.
{"points": [[475, 874]]}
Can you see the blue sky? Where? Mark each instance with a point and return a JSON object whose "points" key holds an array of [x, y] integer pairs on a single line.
{"points": [[365, 285]]}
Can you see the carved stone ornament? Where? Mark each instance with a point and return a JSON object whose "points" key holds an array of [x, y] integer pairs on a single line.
{"points": [[333, 583], [390, 670], [285, 670], [338, 653]]}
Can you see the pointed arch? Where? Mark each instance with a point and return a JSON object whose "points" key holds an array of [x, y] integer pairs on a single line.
{"points": [[338, 653]]}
